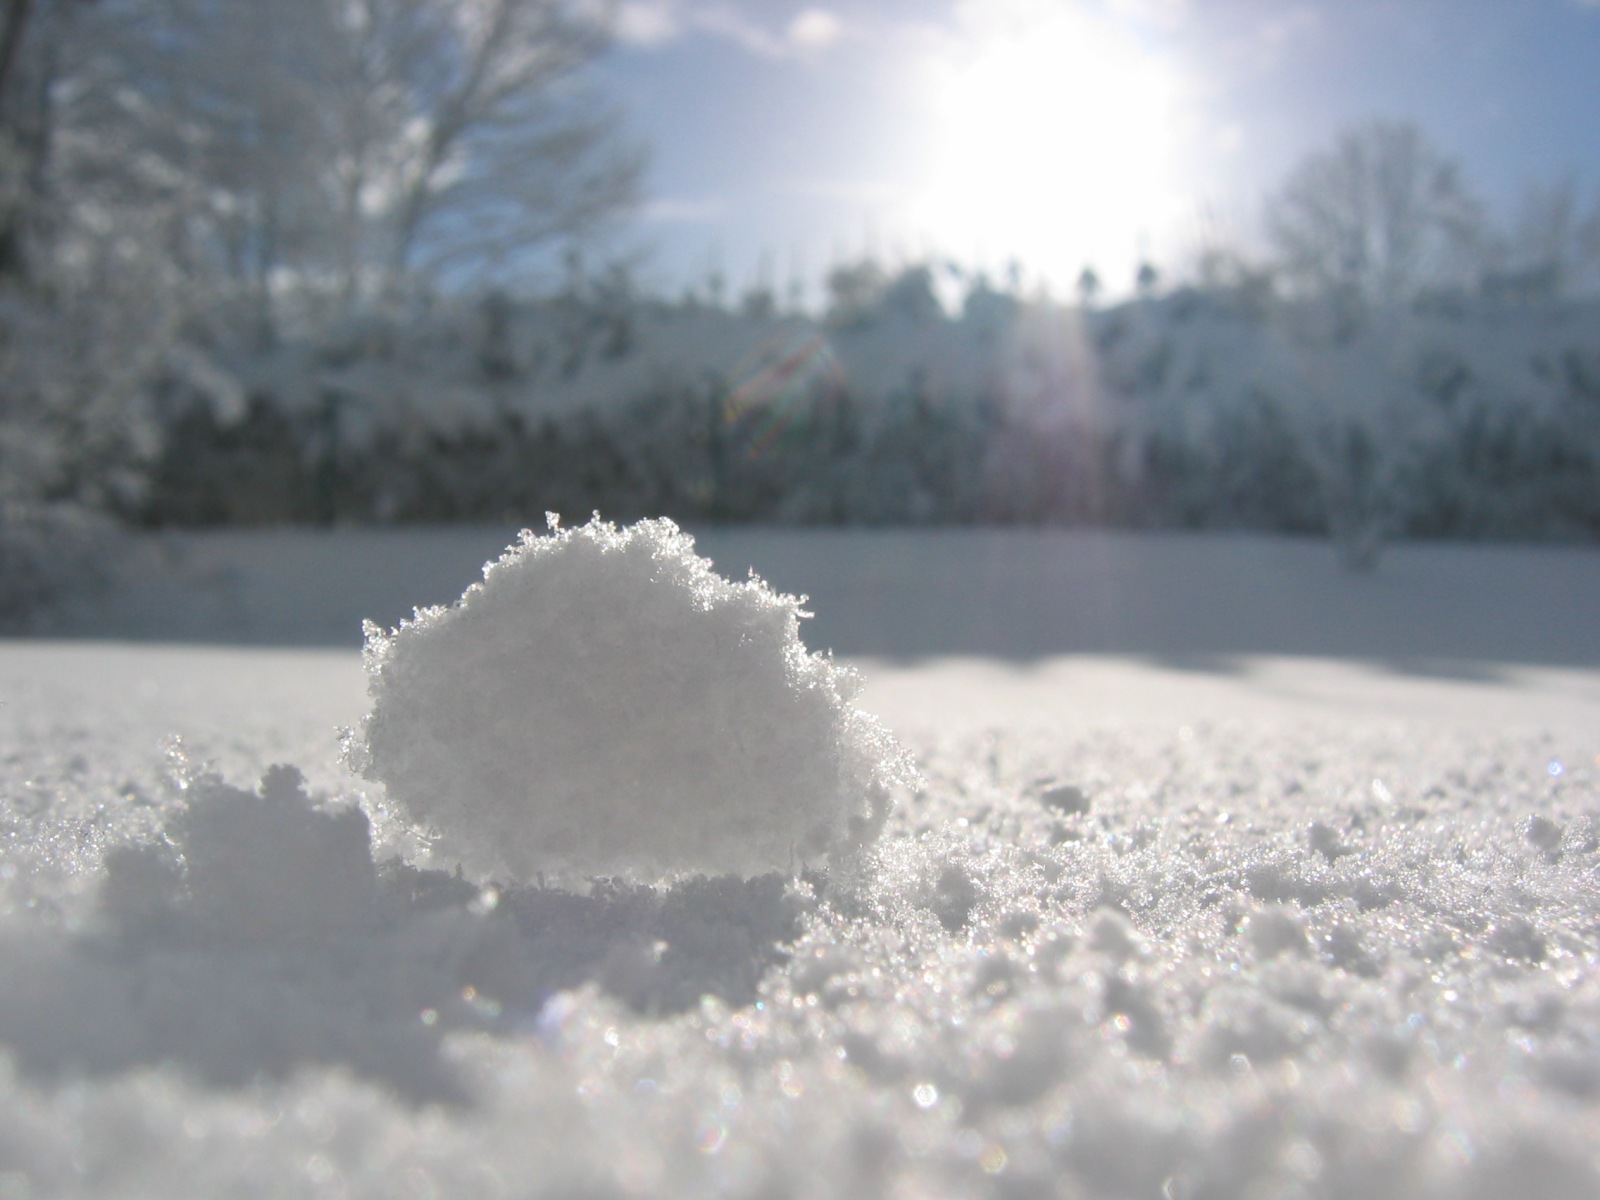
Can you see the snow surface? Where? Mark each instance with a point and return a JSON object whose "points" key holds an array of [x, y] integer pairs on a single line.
{"points": [[1018, 594], [1196, 918]]}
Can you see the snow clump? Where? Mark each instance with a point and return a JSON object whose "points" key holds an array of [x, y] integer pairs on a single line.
{"points": [[604, 703]]}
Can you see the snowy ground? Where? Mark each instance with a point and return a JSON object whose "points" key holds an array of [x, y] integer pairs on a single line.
{"points": [[1233, 876]]}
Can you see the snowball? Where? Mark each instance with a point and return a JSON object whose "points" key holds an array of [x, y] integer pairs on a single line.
{"points": [[603, 703]]}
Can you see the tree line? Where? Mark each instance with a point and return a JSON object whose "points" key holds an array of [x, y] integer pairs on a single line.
{"points": [[206, 206]]}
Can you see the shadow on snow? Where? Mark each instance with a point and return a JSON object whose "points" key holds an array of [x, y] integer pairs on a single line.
{"points": [[264, 938]]}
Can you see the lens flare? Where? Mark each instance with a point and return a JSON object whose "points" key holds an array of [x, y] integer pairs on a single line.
{"points": [[777, 387]]}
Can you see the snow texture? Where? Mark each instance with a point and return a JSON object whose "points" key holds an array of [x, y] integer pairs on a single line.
{"points": [[1278, 926], [603, 703]]}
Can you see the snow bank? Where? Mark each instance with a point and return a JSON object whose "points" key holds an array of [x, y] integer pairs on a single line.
{"points": [[604, 703]]}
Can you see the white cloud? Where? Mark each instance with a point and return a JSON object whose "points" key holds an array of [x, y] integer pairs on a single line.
{"points": [[683, 212], [650, 23], [872, 192], [726, 21], [647, 22], [1283, 33], [1161, 14], [814, 29], [977, 18]]}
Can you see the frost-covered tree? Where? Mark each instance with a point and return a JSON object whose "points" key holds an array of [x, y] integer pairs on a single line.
{"points": [[1382, 217], [88, 302], [179, 176], [498, 147], [864, 292], [351, 147], [33, 36], [1552, 246], [1088, 286], [854, 290], [68, 432], [1146, 279]]}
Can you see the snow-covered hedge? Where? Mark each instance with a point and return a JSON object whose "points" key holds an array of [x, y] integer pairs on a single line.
{"points": [[52, 557], [1200, 409]]}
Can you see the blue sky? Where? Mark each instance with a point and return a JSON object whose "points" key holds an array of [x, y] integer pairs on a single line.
{"points": [[786, 137]]}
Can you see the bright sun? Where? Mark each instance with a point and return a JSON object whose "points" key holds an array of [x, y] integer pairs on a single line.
{"points": [[1055, 147]]}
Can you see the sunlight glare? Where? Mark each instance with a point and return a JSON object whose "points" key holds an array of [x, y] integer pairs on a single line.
{"points": [[1054, 147]]}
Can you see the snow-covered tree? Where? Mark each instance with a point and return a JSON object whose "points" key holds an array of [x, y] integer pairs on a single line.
{"points": [[1146, 279], [498, 148], [89, 300], [1088, 286], [33, 37], [854, 290], [179, 176], [1382, 218], [348, 148], [1551, 248]]}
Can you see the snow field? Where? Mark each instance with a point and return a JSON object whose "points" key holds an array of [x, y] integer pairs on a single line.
{"points": [[1016, 595], [1279, 927]]}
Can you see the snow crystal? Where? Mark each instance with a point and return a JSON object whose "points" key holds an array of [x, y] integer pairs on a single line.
{"points": [[604, 703]]}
